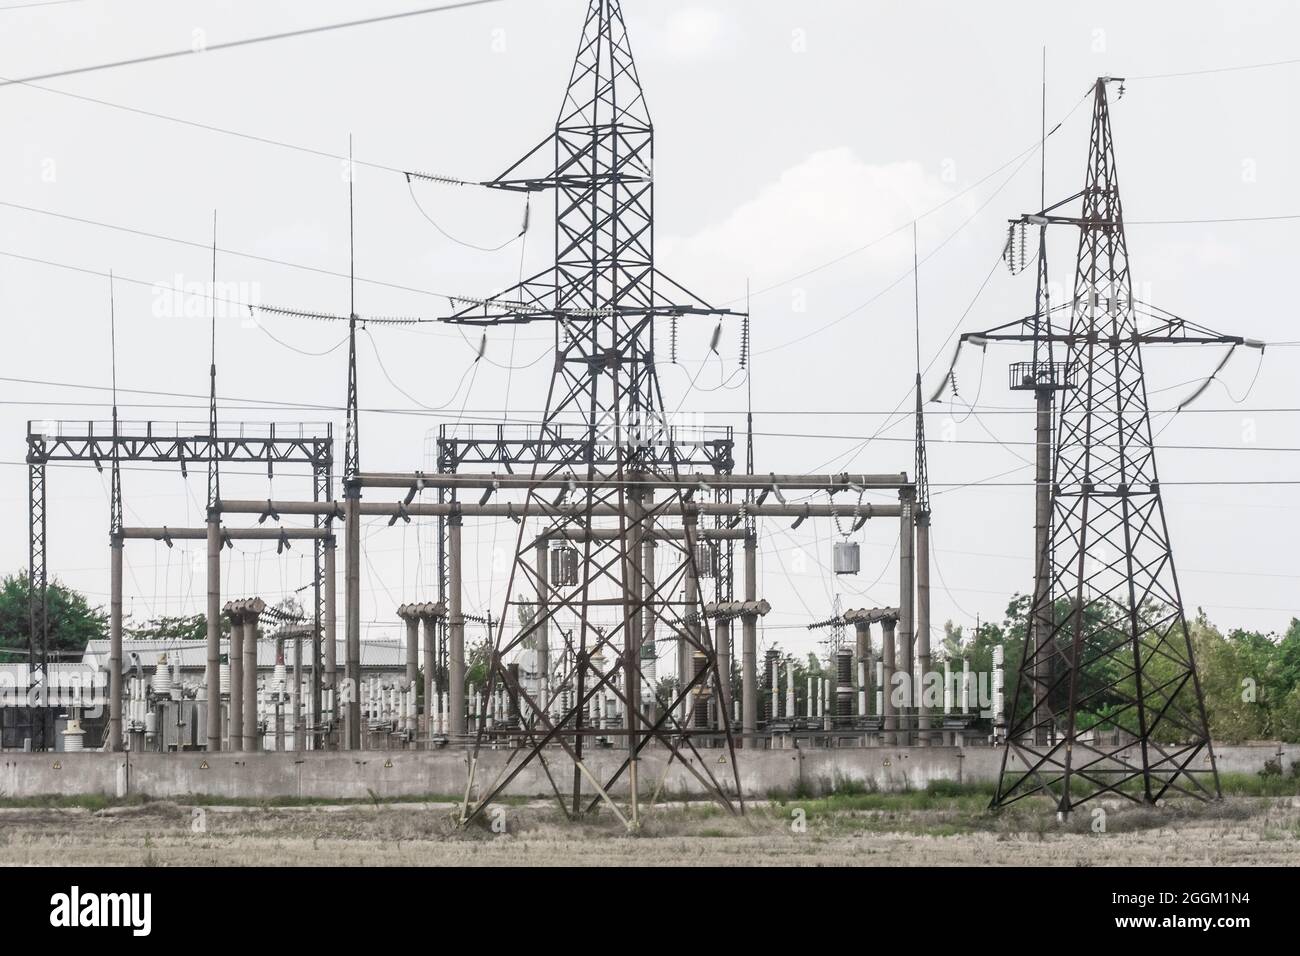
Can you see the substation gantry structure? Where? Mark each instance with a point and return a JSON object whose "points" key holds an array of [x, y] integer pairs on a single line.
{"points": [[621, 515], [603, 490], [1107, 700], [294, 446]]}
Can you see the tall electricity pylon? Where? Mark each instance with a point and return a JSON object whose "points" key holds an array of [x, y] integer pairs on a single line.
{"points": [[604, 427], [1108, 700]]}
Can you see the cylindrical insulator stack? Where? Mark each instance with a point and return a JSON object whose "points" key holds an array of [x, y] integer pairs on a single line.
{"points": [[162, 677], [844, 684], [789, 688], [513, 669], [700, 715], [999, 704], [769, 685]]}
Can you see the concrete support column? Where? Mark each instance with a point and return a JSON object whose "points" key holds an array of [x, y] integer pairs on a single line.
{"points": [[430, 626], [749, 645], [887, 661], [351, 689], [412, 676], [649, 663], [251, 737], [862, 665], [115, 644], [906, 634], [212, 674], [634, 593], [722, 645], [235, 661], [330, 635], [924, 738], [299, 724], [691, 608], [542, 635], [412, 653], [1041, 611], [455, 627], [330, 624]]}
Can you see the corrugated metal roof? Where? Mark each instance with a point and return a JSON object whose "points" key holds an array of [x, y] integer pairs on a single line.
{"points": [[90, 674], [375, 653]]}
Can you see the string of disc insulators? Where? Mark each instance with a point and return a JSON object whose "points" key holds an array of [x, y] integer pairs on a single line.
{"points": [[1016, 251]]}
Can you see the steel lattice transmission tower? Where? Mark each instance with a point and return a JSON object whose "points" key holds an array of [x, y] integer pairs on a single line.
{"points": [[1108, 699], [603, 295]]}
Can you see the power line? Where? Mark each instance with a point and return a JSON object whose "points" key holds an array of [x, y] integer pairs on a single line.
{"points": [[247, 41], [928, 256], [1023, 157], [320, 316], [1215, 69], [207, 246], [38, 3], [1192, 222], [1211, 483], [819, 413], [208, 127]]}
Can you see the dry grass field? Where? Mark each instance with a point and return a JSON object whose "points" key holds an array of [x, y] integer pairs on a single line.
{"points": [[919, 828]]}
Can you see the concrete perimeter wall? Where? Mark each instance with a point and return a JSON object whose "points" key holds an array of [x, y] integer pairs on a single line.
{"points": [[378, 773]]}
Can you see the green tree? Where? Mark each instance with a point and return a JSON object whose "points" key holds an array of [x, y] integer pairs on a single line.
{"points": [[185, 627], [71, 621]]}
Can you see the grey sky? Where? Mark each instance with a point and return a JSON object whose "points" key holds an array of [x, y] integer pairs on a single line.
{"points": [[787, 136]]}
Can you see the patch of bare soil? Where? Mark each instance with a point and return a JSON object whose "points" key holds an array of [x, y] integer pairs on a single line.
{"points": [[1237, 831]]}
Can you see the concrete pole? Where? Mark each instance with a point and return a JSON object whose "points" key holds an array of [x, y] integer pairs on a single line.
{"points": [[235, 731], [251, 737], [430, 624], [412, 673], [213, 672], [412, 665], [330, 627], [1043, 612], [862, 662], [352, 597], [887, 661], [455, 627], [906, 565], [722, 644], [633, 594], [924, 738], [331, 617], [542, 635], [648, 621], [115, 644], [296, 696], [685, 652], [749, 644]]}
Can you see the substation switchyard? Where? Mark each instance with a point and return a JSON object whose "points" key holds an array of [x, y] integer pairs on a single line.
{"points": [[635, 540]]}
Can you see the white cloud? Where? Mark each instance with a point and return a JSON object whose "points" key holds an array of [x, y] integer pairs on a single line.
{"points": [[828, 204]]}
